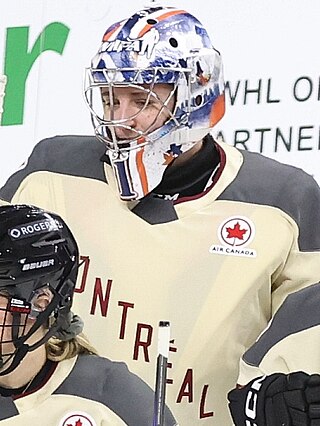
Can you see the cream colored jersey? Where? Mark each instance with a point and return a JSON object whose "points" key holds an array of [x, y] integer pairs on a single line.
{"points": [[84, 391], [291, 342], [3, 203], [218, 272]]}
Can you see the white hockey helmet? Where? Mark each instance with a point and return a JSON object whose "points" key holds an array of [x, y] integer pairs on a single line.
{"points": [[155, 45]]}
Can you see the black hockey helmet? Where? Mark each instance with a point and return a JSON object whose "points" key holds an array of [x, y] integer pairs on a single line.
{"points": [[38, 256]]}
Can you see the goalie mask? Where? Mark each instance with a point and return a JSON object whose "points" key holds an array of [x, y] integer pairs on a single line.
{"points": [[159, 47], [38, 270]]}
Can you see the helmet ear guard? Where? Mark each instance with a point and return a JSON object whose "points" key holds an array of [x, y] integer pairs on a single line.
{"points": [[158, 45], [38, 271]]}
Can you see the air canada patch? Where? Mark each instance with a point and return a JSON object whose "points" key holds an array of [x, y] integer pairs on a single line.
{"points": [[235, 234], [77, 419]]}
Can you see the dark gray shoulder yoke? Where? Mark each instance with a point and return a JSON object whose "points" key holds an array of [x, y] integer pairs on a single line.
{"points": [[112, 384], [71, 155], [8, 408], [300, 311], [265, 181]]}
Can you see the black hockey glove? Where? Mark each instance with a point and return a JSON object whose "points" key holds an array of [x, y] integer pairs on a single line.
{"points": [[277, 400]]}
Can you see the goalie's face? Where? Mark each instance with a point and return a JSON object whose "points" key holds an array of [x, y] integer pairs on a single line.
{"points": [[136, 110]]}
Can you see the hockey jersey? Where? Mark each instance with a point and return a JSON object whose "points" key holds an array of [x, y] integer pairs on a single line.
{"points": [[217, 265], [84, 391]]}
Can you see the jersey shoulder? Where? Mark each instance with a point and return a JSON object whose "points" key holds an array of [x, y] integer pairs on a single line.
{"points": [[74, 155], [265, 181], [112, 384]]}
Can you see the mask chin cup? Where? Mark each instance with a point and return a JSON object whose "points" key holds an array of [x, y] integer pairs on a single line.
{"points": [[138, 171]]}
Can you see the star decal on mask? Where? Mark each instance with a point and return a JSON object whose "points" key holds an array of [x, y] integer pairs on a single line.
{"points": [[171, 154]]}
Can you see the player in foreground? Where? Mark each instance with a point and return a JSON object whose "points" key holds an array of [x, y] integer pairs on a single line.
{"points": [[49, 373], [282, 399], [171, 223]]}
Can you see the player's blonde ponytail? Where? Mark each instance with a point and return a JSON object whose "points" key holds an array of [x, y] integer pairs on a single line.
{"points": [[58, 350]]}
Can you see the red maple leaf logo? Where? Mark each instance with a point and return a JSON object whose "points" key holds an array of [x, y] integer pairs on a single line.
{"points": [[236, 232], [78, 423]]}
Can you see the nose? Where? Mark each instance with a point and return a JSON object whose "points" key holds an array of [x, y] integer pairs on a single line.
{"points": [[125, 113], [125, 110]]}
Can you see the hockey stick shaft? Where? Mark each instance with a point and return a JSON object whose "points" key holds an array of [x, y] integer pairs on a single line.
{"points": [[161, 373]]}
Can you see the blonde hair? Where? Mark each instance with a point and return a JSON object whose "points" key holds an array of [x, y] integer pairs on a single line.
{"points": [[58, 350]]}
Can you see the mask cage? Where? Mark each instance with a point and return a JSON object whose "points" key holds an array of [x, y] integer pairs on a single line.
{"points": [[96, 80], [14, 316], [16, 328]]}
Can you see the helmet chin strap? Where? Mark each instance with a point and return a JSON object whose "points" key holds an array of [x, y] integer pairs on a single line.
{"points": [[65, 328], [16, 359], [23, 348]]}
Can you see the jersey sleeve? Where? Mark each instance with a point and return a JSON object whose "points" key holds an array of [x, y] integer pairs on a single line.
{"points": [[302, 265], [291, 342]]}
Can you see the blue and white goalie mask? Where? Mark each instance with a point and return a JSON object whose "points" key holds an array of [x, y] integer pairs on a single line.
{"points": [[154, 89]]}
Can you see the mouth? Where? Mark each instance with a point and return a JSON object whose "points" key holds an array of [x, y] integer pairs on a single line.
{"points": [[123, 143]]}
